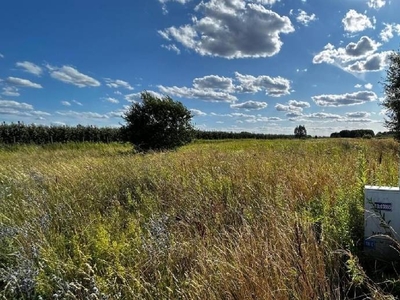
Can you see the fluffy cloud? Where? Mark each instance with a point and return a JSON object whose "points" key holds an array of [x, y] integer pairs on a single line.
{"points": [[118, 83], [111, 100], [194, 93], [363, 47], [356, 120], [257, 119], [24, 83], [241, 117], [305, 18], [368, 86], [345, 99], [355, 57], [287, 108], [388, 32], [322, 115], [214, 82], [273, 86], [358, 114], [136, 97], [232, 29], [294, 114], [353, 117], [65, 103], [377, 4], [267, 2], [179, 1], [164, 3], [301, 104], [71, 75], [375, 62], [250, 105], [197, 113], [221, 89], [86, 115], [8, 107], [1, 55], [30, 67], [119, 113], [15, 105], [10, 91], [356, 22], [293, 108], [208, 88]]}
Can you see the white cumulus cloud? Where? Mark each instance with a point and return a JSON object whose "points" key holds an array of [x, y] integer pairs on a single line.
{"points": [[232, 29], [214, 82], [70, 75], [164, 4], [360, 97], [305, 18], [86, 115], [206, 95], [111, 100], [15, 105], [356, 22], [357, 57], [118, 83], [273, 86], [389, 31], [10, 91], [358, 114], [250, 105], [30, 67], [302, 104], [136, 97], [368, 86], [377, 4], [24, 83], [373, 63], [197, 112]]}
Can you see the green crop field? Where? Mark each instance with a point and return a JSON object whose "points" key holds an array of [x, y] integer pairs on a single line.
{"points": [[244, 219]]}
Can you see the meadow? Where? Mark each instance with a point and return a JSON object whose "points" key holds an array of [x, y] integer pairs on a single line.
{"points": [[243, 219]]}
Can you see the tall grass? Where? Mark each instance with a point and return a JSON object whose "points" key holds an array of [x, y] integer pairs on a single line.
{"points": [[220, 220]]}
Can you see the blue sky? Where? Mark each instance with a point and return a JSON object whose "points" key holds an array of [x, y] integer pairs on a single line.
{"points": [[239, 65]]}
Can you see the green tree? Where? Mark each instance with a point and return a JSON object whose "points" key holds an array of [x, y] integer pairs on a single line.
{"points": [[392, 94], [158, 123], [300, 132]]}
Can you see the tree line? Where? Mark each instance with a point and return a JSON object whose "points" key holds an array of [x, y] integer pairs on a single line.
{"points": [[19, 133], [357, 133], [40, 134], [222, 135]]}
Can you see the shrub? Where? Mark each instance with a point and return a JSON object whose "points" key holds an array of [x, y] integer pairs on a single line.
{"points": [[158, 123]]}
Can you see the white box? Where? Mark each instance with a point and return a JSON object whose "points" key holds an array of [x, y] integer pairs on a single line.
{"points": [[382, 221]]}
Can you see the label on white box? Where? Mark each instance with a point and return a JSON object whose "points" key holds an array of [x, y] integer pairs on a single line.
{"points": [[382, 221]]}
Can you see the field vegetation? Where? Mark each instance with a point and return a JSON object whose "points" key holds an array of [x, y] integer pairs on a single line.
{"points": [[244, 219]]}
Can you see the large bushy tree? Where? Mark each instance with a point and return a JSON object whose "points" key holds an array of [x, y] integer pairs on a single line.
{"points": [[158, 123], [300, 131], [392, 94]]}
